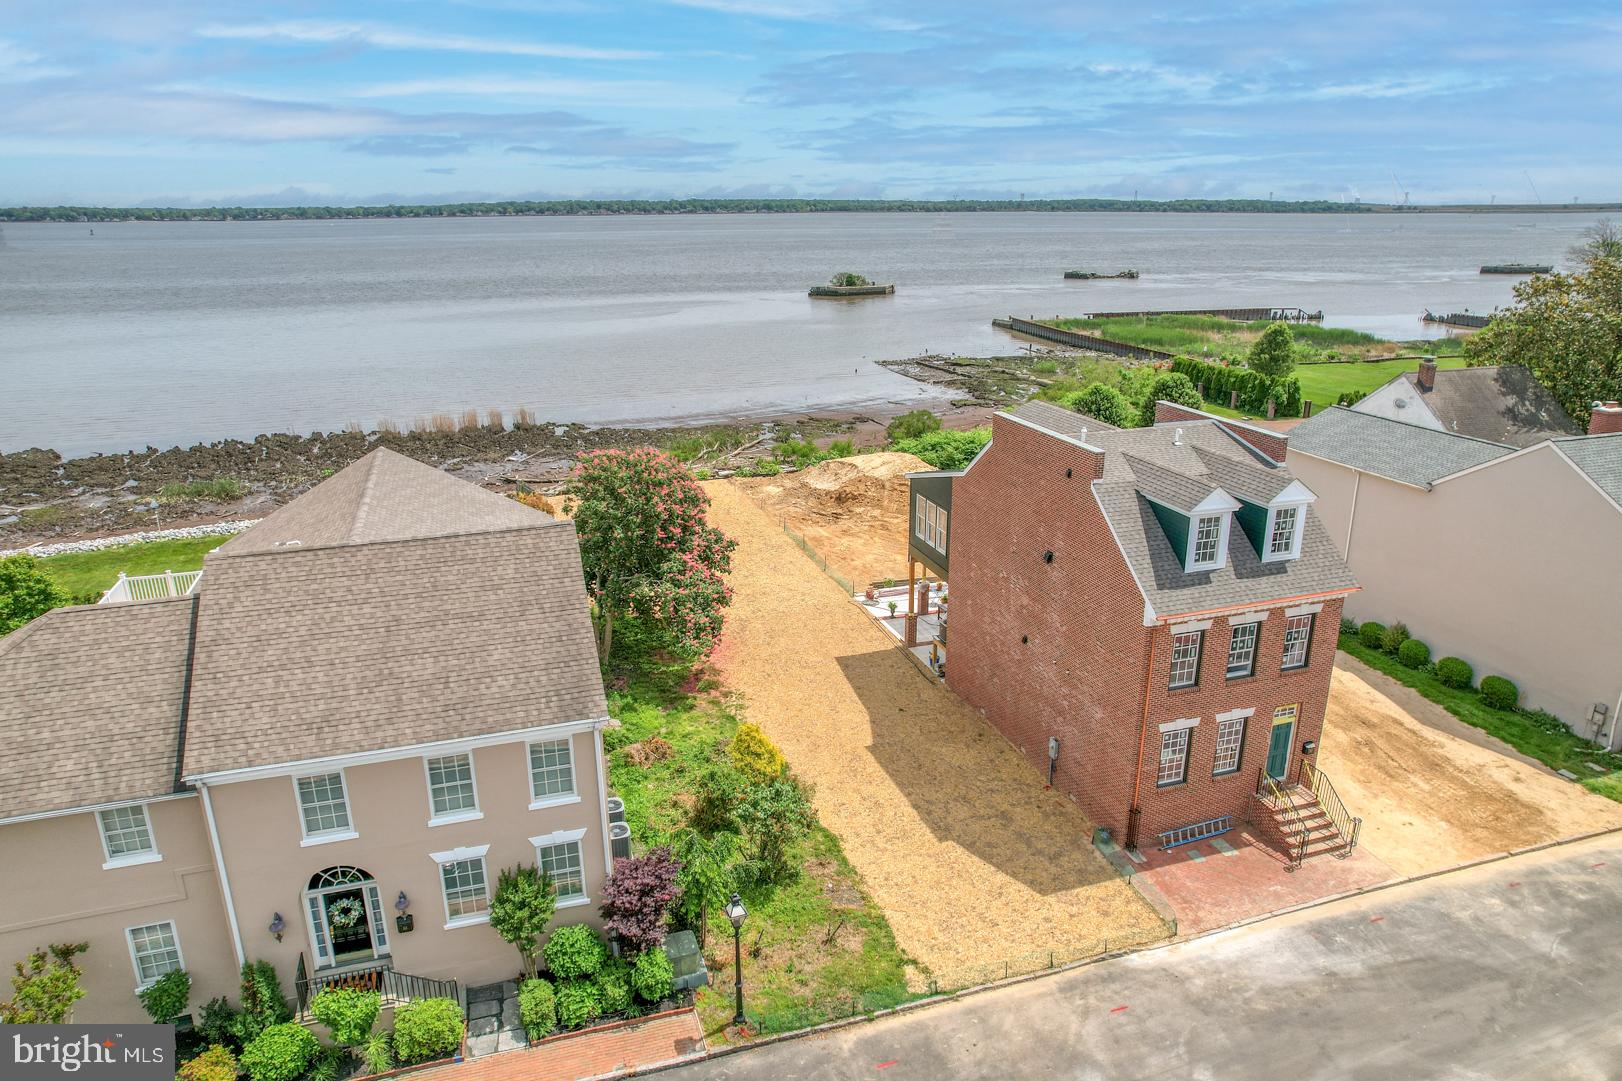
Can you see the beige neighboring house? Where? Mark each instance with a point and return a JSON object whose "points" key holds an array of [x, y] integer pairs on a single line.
{"points": [[322, 756], [1506, 556]]}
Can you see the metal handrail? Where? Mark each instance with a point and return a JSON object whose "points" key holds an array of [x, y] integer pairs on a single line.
{"points": [[1346, 824], [1267, 787], [379, 976]]}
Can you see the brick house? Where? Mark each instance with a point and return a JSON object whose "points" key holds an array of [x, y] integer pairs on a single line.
{"points": [[1149, 615]]}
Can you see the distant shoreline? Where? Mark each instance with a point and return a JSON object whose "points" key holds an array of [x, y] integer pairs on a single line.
{"points": [[615, 207]]}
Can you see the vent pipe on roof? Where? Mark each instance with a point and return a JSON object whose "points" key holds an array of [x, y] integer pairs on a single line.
{"points": [[1177, 439]]}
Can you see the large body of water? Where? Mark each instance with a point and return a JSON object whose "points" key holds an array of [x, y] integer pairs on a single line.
{"points": [[164, 333]]}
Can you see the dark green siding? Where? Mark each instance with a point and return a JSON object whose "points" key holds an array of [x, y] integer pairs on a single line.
{"points": [[938, 490], [1253, 520], [1175, 525]]}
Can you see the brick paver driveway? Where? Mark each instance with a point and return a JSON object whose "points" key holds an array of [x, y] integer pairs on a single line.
{"points": [[976, 866]]}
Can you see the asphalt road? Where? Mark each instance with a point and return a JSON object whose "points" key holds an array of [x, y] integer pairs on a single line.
{"points": [[1513, 970]]}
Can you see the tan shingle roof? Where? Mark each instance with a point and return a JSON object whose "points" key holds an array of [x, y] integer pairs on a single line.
{"points": [[309, 653], [90, 705], [385, 496]]}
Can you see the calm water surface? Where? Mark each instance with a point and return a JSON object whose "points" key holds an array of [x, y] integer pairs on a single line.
{"points": [[178, 332]]}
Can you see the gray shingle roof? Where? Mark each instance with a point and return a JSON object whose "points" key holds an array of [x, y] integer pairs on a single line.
{"points": [[1181, 472], [1058, 419], [1389, 448], [90, 705], [1504, 404], [1600, 457]]}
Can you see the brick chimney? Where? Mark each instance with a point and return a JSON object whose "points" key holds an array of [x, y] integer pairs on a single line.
{"points": [[1427, 374], [1604, 418]]}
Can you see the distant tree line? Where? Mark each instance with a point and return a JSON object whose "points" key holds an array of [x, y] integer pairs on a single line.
{"points": [[671, 206]]}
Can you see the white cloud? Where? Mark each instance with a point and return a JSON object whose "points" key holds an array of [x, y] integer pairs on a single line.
{"points": [[20, 65], [648, 94], [320, 32]]}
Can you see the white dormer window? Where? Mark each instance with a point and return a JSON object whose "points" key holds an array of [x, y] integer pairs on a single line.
{"points": [[1207, 541], [1208, 526], [1281, 538], [1286, 523]]}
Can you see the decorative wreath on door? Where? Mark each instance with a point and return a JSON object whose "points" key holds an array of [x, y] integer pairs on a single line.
{"points": [[345, 913]]}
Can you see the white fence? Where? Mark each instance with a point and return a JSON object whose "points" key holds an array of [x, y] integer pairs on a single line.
{"points": [[148, 587]]}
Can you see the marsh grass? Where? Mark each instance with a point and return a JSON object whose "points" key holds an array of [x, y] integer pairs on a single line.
{"points": [[219, 489]]}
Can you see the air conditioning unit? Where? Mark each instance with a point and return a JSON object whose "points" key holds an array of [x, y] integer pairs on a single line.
{"points": [[616, 809], [619, 840]]}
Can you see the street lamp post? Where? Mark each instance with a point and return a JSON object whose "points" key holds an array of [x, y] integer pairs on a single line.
{"points": [[736, 913]]}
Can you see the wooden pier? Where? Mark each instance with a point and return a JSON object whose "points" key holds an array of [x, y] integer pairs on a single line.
{"points": [[1243, 315], [1073, 340]]}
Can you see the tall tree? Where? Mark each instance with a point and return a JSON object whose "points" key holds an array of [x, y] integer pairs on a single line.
{"points": [[1602, 240], [1273, 354], [1567, 328], [46, 987], [26, 592], [524, 903], [647, 549]]}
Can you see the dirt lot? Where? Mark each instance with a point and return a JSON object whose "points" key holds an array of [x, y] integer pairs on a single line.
{"points": [[972, 862], [853, 511], [1430, 800]]}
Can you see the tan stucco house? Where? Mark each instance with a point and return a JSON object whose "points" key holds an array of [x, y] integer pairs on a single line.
{"points": [[322, 756], [1504, 555]]}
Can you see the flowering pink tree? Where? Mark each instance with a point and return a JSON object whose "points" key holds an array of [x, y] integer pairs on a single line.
{"points": [[647, 550]]}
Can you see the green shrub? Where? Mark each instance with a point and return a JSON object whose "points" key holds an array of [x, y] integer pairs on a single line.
{"points": [[1347, 626], [841, 448], [615, 738], [1499, 693], [1414, 653], [574, 953], [1254, 388], [348, 1013], [26, 591], [218, 1023], [651, 975], [538, 1008], [1392, 638], [1102, 402], [1172, 386], [717, 791], [614, 983], [1455, 673], [379, 1053], [166, 998], [766, 467], [912, 425], [426, 1029], [946, 450], [1370, 634], [329, 1063], [580, 1002], [775, 816], [756, 757], [215, 1064], [1273, 354], [280, 1053], [263, 1003]]}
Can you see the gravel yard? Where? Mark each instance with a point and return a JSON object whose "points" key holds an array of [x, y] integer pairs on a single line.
{"points": [[974, 864], [1429, 799]]}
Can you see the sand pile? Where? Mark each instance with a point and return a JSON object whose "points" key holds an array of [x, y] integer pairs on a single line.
{"points": [[853, 511]]}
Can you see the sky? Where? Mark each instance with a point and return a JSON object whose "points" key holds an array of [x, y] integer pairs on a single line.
{"points": [[107, 102]]}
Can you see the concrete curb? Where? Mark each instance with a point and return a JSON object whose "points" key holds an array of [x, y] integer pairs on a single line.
{"points": [[967, 992]]}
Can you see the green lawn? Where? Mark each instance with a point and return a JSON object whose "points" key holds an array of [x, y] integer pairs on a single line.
{"points": [[816, 947], [1551, 743], [85, 573], [1323, 384]]}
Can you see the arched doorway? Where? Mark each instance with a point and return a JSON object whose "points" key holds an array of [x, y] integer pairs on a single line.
{"points": [[345, 915]]}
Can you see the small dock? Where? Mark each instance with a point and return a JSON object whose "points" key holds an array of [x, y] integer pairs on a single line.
{"points": [[852, 290], [1457, 319], [1517, 268], [1073, 340], [1243, 315]]}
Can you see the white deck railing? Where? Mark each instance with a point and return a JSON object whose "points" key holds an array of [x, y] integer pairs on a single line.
{"points": [[150, 587]]}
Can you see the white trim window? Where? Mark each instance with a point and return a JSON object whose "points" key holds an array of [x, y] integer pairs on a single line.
{"points": [[323, 808], [1173, 758], [1205, 541], [558, 855], [1242, 650], [465, 886], [126, 836], [452, 793], [1281, 538], [551, 774], [920, 517], [929, 523], [1297, 642], [1230, 745], [1185, 659], [154, 951]]}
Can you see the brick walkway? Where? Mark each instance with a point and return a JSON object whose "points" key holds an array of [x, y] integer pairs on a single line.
{"points": [[603, 1052]]}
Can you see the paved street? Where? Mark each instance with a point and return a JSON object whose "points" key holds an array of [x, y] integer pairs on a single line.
{"points": [[1508, 971]]}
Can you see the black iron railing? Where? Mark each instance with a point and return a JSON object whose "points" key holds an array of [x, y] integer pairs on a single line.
{"points": [[378, 976], [1269, 791], [1344, 822]]}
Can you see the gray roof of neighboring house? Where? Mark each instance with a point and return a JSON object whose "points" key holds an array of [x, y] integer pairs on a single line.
{"points": [[435, 610], [1390, 448], [90, 705], [1140, 461], [1600, 457], [1504, 404]]}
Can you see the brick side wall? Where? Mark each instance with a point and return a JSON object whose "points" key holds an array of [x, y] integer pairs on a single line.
{"points": [[1078, 673], [1203, 796], [1059, 649], [1271, 444]]}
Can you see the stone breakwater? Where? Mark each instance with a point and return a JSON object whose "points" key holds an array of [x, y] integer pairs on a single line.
{"points": [[213, 529]]}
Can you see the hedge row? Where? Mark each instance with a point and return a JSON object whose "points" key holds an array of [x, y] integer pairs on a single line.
{"points": [[1496, 691], [1254, 388]]}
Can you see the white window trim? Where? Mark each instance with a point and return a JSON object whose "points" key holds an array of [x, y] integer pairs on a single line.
{"points": [[472, 815], [1295, 541], [133, 859], [1306, 645], [325, 837], [562, 837], [459, 855], [1247, 617], [1234, 714], [1190, 627], [1255, 647], [1178, 726], [536, 803], [1303, 610], [135, 964], [1194, 520], [1199, 660]]}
